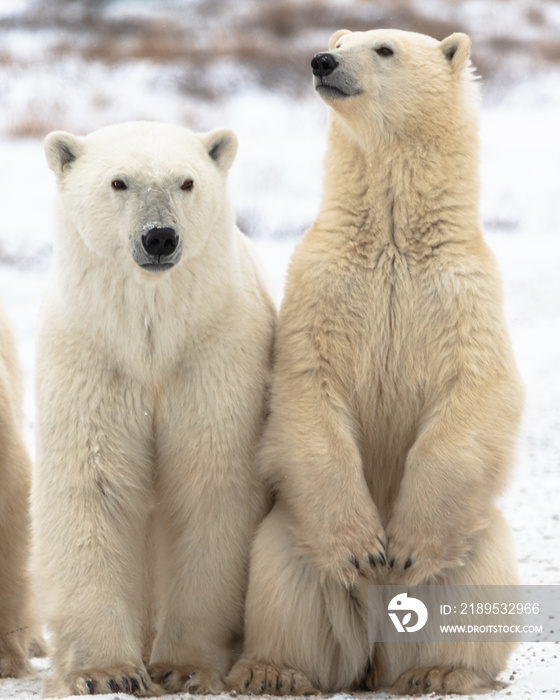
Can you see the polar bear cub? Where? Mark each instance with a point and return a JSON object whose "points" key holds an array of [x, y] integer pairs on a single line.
{"points": [[153, 358], [395, 399]]}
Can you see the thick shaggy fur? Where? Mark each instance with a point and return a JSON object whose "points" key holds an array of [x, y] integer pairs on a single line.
{"points": [[395, 396], [151, 389], [15, 485]]}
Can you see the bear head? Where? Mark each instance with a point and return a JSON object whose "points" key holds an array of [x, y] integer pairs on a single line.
{"points": [[394, 83], [145, 192]]}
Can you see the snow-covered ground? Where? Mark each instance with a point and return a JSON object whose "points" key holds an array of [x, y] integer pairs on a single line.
{"points": [[275, 184]]}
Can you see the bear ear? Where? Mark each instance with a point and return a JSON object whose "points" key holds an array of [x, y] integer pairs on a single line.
{"points": [[62, 149], [457, 50], [336, 36], [221, 146]]}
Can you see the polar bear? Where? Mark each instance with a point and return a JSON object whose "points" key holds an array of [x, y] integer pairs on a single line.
{"points": [[395, 398], [15, 484], [153, 362]]}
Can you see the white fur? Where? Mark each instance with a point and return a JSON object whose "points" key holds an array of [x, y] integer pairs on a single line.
{"points": [[15, 484], [395, 398], [150, 398]]}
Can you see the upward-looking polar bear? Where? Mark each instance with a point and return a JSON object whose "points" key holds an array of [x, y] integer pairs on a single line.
{"points": [[154, 355], [395, 397]]}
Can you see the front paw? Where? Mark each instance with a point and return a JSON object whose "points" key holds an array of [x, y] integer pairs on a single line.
{"points": [[353, 551], [188, 679], [416, 555], [125, 679]]}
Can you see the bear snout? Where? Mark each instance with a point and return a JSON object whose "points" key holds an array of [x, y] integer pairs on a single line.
{"points": [[160, 241], [323, 64], [332, 80], [156, 250]]}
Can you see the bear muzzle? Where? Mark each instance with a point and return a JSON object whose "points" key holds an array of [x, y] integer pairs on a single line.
{"points": [[160, 241], [332, 82], [323, 64], [159, 249]]}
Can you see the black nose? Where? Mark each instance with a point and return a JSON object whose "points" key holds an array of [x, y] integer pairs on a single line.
{"points": [[323, 64], [160, 241]]}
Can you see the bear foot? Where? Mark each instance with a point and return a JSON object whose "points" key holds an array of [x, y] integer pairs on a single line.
{"points": [[189, 679], [258, 679], [462, 681], [126, 679]]}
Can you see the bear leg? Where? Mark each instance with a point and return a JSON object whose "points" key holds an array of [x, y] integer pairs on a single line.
{"points": [[15, 470], [304, 631], [456, 667]]}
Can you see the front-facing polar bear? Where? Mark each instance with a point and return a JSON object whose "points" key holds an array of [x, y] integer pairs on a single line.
{"points": [[153, 360], [395, 397]]}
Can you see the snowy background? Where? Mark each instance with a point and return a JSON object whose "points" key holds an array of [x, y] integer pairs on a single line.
{"points": [[77, 65]]}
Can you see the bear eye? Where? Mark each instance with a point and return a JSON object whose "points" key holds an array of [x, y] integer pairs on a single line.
{"points": [[384, 51], [118, 185], [187, 185]]}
